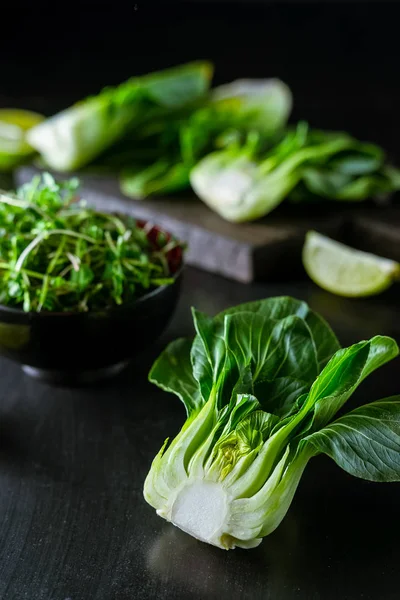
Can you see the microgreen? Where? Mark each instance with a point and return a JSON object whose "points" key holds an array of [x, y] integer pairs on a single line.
{"points": [[58, 254]]}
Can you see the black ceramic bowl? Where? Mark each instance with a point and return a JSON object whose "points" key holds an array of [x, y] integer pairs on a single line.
{"points": [[77, 348]]}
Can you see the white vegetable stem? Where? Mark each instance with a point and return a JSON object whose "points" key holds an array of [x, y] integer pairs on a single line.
{"points": [[201, 510]]}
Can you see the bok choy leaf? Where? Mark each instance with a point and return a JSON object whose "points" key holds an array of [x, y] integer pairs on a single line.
{"points": [[262, 384], [243, 183], [365, 442], [231, 112], [77, 135]]}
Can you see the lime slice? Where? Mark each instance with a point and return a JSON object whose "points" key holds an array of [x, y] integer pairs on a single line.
{"points": [[345, 271], [14, 124]]}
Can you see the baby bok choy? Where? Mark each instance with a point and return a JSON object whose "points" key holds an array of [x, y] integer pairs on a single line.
{"points": [[246, 181], [75, 136], [261, 384], [231, 110]]}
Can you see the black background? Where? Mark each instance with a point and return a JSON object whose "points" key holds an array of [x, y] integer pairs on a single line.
{"points": [[341, 59]]}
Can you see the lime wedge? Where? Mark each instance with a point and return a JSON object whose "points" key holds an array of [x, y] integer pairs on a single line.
{"points": [[345, 271], [14, 123]]}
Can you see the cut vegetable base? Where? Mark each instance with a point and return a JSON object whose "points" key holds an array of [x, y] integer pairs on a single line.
{"points": [[261, 384]]}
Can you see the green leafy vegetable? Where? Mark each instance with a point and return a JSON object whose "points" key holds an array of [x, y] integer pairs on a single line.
{"points": [[243, 184], [231, 111], [365, 442], [165, 132], [57, 254], [262, 384], [75, 136]]}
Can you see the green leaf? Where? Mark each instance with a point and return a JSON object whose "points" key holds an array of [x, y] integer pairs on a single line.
{"points": [[393, 176], [271, 349], [263, 104], [244, 384], [248, 340], [381, 350], [344, 373], [244, 433], [83, 277], [324, 182], [365, 442], [241, 406], [275, 308], [258, 421], [162, 177], [280, 307], [178, 86], [365, 187], [353, 174], [208, 354], [365, 158], [280, 395], [172, 372], [77, 135]]}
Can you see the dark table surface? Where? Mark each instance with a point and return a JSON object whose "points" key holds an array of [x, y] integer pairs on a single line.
{"points": [[73, 522]]}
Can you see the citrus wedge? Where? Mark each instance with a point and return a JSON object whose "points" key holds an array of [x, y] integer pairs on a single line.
{"points": [[14, 123], [345, 271]]}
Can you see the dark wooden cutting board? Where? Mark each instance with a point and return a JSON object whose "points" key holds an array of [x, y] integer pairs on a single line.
{"points": [[266, 249]]}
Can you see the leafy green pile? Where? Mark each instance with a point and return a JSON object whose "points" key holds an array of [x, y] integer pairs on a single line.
{"points": [[166, 131], [163, 154], [262, 384], [57, 254], [153, 129], [245, 182]]}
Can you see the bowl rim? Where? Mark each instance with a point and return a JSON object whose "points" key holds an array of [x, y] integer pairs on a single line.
{"points": [[95, 313]]}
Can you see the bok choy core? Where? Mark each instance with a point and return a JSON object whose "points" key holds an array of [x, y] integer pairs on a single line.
{"points": [[261, 384]]}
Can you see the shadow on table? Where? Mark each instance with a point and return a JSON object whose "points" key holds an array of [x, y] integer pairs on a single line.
{"points": [[331, 540], [208, 572]]}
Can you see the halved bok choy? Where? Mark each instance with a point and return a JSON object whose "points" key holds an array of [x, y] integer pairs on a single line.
{"points": [[262, 384], [75, 136], [247, 181]]}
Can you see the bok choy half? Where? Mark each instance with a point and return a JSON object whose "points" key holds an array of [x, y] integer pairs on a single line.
{"points": [[244, 181], [74, 137], [262, 384], [231, 110]]}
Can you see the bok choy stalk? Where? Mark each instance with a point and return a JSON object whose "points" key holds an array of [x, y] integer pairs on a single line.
{"points": [[242, 184], [233, 109], [75, 136], [262, 383]]}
